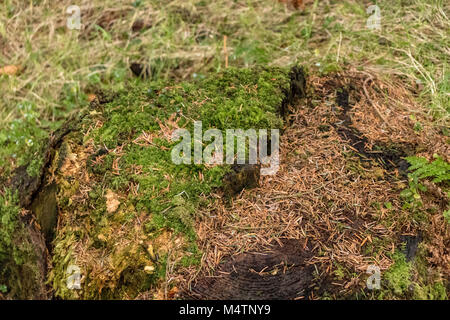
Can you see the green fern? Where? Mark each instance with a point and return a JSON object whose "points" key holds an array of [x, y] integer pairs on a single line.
{"points": [[437, 170]]}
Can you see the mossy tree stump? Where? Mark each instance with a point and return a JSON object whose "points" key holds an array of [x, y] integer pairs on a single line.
{"points": [[109, 199]]}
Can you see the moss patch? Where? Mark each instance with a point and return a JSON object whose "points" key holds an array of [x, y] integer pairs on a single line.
{"points": [[21, 253]]}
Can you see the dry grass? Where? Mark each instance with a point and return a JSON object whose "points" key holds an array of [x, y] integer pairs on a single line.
{"points": [[57, 62]]}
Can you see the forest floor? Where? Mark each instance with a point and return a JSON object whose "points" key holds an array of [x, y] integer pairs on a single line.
{"points": [[340, 158], [337, 193]]}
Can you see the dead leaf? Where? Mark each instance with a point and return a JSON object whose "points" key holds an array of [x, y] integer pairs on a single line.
{"points": [[151, 252], [149, 269], [172, 293], [9, 70], [112, 203], [91, 97]]}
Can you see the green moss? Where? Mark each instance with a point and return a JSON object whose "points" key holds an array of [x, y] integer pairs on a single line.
{"points": [[413, 279], [20, 276], [9, 221], [434, 291], [21, 141], [340, 272], [429, 284], [398, 276], [236, 98]]}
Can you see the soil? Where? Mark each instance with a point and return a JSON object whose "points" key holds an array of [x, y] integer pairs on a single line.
{"points": [[297, 90], [241, 177]]}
